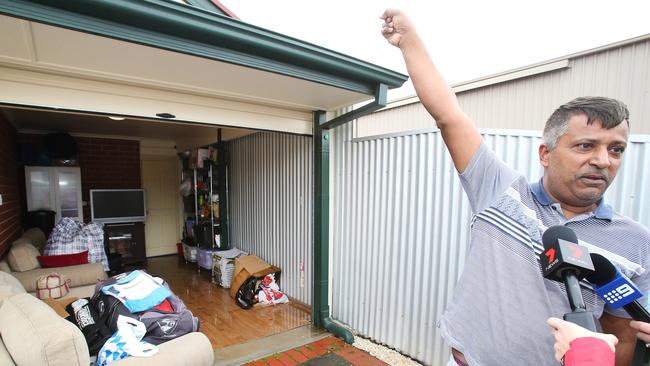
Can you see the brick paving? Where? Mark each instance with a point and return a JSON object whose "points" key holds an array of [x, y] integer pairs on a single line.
{"points": [[325, 352]]}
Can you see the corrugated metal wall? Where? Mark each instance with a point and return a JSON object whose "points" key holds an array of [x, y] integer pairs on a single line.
{"points": [[271, 204], [619, 72], [401, 226]]}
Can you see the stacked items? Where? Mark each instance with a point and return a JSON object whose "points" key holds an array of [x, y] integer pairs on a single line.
{"points": [[251, 280], [223, 266], [129, 315]]}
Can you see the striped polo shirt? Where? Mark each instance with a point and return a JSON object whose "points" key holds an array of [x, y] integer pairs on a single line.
{"points": [[497, 315]]}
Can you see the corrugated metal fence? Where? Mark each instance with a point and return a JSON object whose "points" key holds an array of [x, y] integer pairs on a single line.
{"points": [[271, 205], [400, 225]]}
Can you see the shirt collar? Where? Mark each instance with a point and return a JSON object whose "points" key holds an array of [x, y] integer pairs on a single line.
{"points": [[603, 211]]}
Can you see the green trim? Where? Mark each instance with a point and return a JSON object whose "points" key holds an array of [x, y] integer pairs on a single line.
{"points": [[190, 30], [320, 307], [206, 5], [381, 96], [222, 190]]}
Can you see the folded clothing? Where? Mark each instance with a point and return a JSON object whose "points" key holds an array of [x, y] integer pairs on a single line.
{"points": [[138, 291]]}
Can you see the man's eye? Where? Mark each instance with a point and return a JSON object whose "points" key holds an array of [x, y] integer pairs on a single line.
{"points": [[585, 146], [617, 150]]}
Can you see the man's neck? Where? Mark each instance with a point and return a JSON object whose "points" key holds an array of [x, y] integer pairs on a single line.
{"points": [[571, 211], [568, 210]]}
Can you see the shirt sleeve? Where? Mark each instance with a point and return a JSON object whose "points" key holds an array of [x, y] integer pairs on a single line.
{"points": [[486, 178], [589, 351]]}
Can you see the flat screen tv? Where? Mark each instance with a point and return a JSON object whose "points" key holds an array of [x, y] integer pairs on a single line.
{"points": [[117, 205]]}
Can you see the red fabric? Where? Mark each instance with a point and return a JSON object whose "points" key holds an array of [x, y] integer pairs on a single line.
{"points": [[164, 306], [64, 260], [589, 351]]}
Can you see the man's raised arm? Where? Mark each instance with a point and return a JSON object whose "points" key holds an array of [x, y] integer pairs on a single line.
{"points": [[458, 130]]}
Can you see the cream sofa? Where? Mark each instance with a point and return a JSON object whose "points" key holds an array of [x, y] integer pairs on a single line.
{"points": [[32, 333], [22, 264]]}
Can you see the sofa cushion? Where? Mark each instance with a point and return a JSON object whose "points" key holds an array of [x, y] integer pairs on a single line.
{"points": [[12, 284], [5, 357], [79, 275], [22, 257], [5, 292], [191, 349], [4, 266], [35, 335], [63, 260], [35, 237]]}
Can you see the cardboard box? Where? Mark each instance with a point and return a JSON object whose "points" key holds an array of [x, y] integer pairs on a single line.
{"points": [[59, 305], [251, 266]]}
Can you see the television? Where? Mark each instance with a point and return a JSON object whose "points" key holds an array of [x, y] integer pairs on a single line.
{"points": [[109, 206]]}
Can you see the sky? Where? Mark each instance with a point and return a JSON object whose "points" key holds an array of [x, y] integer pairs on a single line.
{"points": [[467, 39]]}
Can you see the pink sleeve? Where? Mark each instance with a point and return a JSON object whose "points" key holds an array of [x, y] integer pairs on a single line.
{"points": [[589, 351]]}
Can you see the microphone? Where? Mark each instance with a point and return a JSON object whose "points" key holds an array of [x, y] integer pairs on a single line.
{"points": [[616, 289], [564, 260]]}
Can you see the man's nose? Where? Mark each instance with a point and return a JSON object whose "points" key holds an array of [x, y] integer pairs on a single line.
{"points": [[601, 158]]}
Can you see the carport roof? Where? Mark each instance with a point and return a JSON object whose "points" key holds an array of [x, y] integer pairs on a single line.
{"points": [[194, 31]]}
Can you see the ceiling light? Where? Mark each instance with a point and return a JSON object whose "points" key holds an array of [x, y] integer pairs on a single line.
{"points": [[116, 118]]}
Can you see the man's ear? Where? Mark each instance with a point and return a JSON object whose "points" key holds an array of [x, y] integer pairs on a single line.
{"points": [[544, 155]]}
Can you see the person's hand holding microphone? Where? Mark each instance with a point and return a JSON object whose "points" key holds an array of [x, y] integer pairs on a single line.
{"points": [[565, 333]]}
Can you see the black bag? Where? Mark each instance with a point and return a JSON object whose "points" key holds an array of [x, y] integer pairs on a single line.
{"points": [[109, 309], [246, 294], [86, 317]]}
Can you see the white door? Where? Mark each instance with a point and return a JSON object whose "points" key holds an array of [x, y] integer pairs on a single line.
{"points": [[54, 188], [40, 193], [68, 193], [160, 179]]}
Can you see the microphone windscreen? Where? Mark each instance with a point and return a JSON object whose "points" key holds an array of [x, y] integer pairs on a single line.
{"points": [[553, 233], [604, 271]]}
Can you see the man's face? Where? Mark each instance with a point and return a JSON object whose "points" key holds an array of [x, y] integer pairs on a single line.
{"points": [[584, 162]]}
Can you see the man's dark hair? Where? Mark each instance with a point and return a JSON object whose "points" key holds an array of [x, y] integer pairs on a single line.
{"points": [[608, 112]]}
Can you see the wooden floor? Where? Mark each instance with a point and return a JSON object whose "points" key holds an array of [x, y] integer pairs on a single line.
{"points": [[222, 320]]}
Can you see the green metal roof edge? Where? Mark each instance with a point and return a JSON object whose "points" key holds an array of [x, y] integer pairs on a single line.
{"points": [[190, 30], [206, 5]]}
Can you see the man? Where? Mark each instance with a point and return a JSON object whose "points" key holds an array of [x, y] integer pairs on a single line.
{"points": [[498, 312]]}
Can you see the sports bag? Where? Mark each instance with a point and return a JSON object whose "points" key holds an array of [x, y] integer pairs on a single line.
{"points": [[163, 326]]}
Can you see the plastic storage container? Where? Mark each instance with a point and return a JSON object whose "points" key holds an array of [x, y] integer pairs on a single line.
{"points": [[205, 257], [190, 252]]}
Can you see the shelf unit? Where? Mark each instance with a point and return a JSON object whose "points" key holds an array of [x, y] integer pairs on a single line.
{"points": [[206, 207]]}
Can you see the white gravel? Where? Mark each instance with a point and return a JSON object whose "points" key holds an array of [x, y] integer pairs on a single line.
{"points": [[384, 353]]}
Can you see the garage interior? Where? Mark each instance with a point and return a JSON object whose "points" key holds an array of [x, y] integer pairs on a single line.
{"points": [[168, 84]]}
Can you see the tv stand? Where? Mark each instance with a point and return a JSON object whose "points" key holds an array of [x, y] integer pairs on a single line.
{"points": [[125, 241]]}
